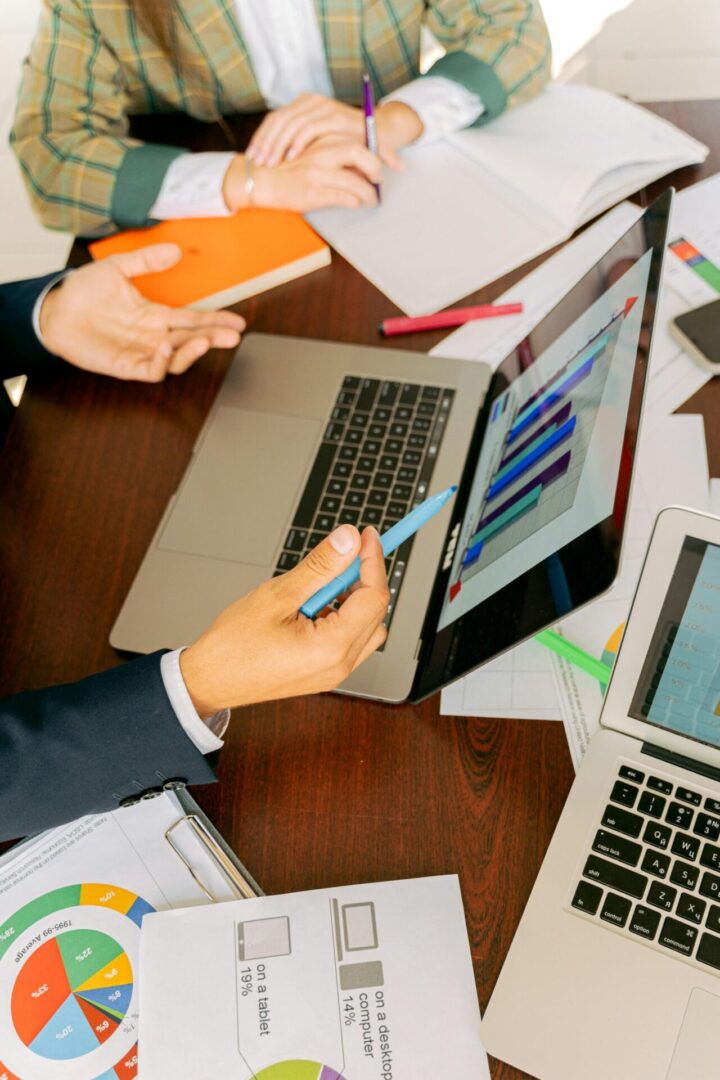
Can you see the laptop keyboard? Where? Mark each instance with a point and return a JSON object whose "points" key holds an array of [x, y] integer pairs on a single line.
{"points": [[374, 464], [654, 871]]}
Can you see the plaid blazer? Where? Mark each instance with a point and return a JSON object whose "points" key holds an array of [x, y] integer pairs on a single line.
{"points": [[90, 68]]}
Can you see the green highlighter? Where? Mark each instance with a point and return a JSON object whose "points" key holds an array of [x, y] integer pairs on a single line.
{"points": [[575, 655]]}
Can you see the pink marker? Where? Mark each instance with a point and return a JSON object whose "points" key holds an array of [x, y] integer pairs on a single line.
{"points": [[405, 325]]}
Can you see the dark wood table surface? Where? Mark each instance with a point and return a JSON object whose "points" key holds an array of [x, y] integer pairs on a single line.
{"points": [[313, 792]]}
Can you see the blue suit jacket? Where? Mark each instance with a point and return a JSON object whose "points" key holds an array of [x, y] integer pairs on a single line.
{"points": [[91, 746], [20, 351]]}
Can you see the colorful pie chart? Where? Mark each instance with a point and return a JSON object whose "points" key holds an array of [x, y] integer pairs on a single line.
{"points": [[299, 1070], [610, 651]]}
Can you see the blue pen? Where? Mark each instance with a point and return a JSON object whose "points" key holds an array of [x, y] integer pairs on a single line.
{"points": [[391, 540]]}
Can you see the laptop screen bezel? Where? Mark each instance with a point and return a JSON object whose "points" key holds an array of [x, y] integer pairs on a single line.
{"points": [[503, 621], [673, 526]]}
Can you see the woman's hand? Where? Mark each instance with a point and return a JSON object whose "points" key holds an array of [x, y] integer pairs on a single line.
{"points": [[261, 648], [334, 173], [286, 133], [97, 320]]}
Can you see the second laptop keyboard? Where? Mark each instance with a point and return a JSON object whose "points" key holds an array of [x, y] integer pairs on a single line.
{"points": [[374, 464]]}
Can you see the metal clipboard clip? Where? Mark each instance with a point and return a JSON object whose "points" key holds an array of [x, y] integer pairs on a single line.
{"points": [[246, 889]]}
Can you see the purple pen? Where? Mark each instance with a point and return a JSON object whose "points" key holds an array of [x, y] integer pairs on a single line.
{"points": [[370, 127]]}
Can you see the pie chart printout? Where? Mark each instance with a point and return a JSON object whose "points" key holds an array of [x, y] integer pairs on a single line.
{"points": [[299, 1070], [73, 990]]}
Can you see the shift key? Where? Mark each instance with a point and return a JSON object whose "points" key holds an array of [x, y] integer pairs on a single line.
{"points": [[615, 876]]}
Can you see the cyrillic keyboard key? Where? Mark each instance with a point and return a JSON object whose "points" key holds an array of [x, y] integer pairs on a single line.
{"points": [[617, 847], [690, 907], [708, 826], [287, 560], [629, 773], [615, 876], [657, 835], [709, 950], [615, 909], [678, 936], [644, 922], [685, 874], [315, 486], [685, 845], [710, 856], [713, 918], [622, 793], [710, 886], [661, 896], [685, 795], [655, 863], [680, 815], [713, 805], [663, 786], [651, 804], [587, 897], [622, 821]]}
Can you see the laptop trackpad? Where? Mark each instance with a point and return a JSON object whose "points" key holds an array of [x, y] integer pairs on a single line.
{"points": [[243, 482], [697, 1050]]}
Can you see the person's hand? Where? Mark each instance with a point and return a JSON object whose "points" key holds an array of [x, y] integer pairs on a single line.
{"points": [[336, 173], [287, 132], [261, 648], [97, 320]]}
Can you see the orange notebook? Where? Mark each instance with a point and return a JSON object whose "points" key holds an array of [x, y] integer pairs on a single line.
{"points": [[224, 259]]}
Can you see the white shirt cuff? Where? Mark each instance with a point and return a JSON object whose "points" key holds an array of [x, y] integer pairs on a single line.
{"points": [[443, 105], [192, 187], [39, 303], [206, 734]]}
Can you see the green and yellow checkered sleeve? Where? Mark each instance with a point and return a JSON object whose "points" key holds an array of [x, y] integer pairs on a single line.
{"points": [[500, 49], [70, 130]]}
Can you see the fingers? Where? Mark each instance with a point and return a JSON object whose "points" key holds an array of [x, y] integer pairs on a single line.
{"points": [[365, 608], [333, 555], [148, 260], [264, 148], [392, 159], [187, 354], [351, 155], [184, 318]]}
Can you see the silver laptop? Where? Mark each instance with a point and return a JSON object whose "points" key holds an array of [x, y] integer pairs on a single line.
{"points": [[614, 972], [307, 434]]}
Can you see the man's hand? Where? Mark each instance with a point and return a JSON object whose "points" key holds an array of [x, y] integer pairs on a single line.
{"points": [[334, 173], [261, 648], [286, 133], [97, 320]]}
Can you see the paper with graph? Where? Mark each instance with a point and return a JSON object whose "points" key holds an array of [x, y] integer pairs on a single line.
{"points": [[362, 982]]}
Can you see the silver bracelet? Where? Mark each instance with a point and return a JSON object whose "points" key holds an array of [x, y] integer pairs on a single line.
{"points": [[249, 181]]}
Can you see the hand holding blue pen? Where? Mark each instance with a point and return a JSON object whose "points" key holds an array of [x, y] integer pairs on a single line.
{"points": [[390, 541]]}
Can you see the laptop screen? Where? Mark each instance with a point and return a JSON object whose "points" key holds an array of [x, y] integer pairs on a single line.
{"points": [[679, 687], [538, 520]]}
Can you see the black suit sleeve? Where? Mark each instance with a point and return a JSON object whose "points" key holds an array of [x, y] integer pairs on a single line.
{"points": [[89, 746], [20, 351]]}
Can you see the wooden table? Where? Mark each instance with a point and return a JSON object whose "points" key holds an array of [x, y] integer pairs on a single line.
{"points": [[313, 792]]}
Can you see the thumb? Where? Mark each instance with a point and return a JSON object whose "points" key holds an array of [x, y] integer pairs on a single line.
{"points": [[147, 260], [333, 555]]}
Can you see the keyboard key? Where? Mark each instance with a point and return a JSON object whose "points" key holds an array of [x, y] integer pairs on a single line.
{"points": [[377, 498], [336, 487], [627, 772], [426, 408], [622, 793], [343, 469], [296, 540], [655, 863], [371, 516], [360, 482], [617, 847], [407, 476], [359, 420], [616, 909], [368, 392], [651, 804], [685, 795], [709, 950], [421, 424], [383, 480], [661, 896], [710, 886], [372, 448], [713, 805], [330, 504], [347, 453], [409, 394], [396, 510], [389, 392], [623, 821], [315, 539], [587, 897], [657, 835], [398, 431], [686, 846], [615, 876], [355, 499], [353, 437], [680, 815], [334, 432], [348, 516], [690, 907], [644, 922], [402, 491], [382, 415], [389, 463], [430, 393], [412, 457], [340, 413], [351, 382], [663, 786], [315, 486], [710, 856], [708, 826], [417, 442], [345, 397], [403, 414], [365, 463], [394, 446], [325, 523], [684, 874], [713, 918], [287, 560], [678, 936]]}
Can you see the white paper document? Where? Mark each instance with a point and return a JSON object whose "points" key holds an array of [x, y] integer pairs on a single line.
{"points": [[532, 681], [472, 207], [72, 904], [362, 982]]}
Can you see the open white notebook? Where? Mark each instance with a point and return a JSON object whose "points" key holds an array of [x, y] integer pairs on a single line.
{"points": [[474, 206]]}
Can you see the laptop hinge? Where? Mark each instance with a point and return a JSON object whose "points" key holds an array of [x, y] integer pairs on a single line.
{"points": [[681, 761]]}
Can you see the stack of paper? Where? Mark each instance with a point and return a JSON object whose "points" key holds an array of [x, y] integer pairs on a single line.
{"points": [[471, 208]]}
